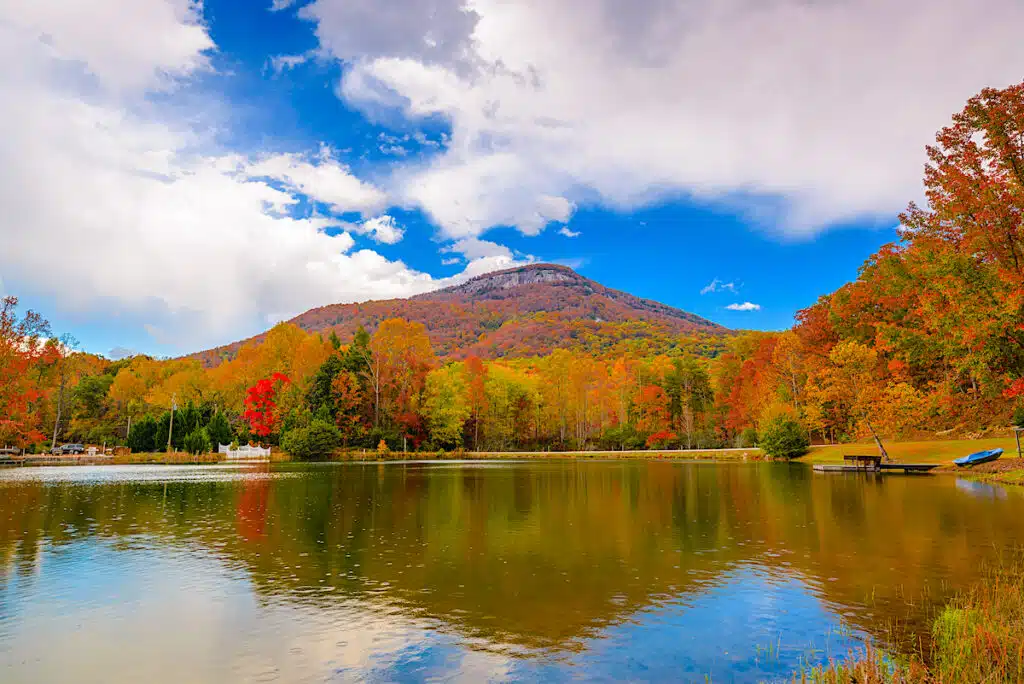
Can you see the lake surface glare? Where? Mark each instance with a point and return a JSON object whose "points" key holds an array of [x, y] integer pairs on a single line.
{"points": [[549, 571]]}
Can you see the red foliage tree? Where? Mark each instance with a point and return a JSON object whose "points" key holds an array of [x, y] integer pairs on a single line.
{"points": [[260, 405]]}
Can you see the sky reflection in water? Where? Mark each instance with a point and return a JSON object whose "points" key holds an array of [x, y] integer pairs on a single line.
{"points": [[554, 571]]}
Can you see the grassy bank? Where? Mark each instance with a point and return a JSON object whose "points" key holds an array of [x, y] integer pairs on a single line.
{"points": [[978, 637], [942, 452], [939, 452], [1005, 471], [1009, 469], [182, 458]]}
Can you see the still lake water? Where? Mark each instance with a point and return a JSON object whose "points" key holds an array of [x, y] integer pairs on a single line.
{"points": [[642, 571]]}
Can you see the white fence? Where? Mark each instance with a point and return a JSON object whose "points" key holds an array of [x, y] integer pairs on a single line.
{"points": [[244, 453]]}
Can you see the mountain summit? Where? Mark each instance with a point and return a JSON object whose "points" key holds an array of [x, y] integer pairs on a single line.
{"points": [[523, 311]]}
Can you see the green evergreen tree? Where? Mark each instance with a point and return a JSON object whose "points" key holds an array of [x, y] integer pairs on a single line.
{"points": [[142, 437], [164, 426], [197, 442], [219, 430], [187, 419], [358, 353], [321, 394]]}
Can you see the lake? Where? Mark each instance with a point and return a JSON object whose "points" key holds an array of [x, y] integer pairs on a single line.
{"points": [[555, 570]]}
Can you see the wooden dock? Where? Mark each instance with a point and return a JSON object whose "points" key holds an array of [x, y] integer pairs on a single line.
{"points": [[909, 467], [859, 463], [843, 468]]}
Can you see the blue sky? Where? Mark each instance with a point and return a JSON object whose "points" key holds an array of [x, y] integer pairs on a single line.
{"points": [[184, 174]]}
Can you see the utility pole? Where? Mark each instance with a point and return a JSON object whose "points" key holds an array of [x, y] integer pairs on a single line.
{"points": [[170, 430]]}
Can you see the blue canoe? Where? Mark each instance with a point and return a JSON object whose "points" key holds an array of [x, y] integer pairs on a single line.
{"points": [[980, 457]]}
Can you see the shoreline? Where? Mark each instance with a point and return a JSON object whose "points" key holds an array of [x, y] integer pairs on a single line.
{"points": [[1008, 470]]}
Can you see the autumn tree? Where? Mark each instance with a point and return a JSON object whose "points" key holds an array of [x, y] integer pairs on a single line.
{"points": [[260, 407], [448, 405], [476, 393], [400, 356], [60, 355], [21, 349]]}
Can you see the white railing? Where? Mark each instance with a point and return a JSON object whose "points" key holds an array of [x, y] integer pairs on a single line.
{"points": [[244, 453]]}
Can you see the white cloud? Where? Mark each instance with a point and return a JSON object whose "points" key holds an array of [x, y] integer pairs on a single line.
{"points": [[124, 44], [382, 229], [800, 114], [474, 248], [745, 306], [281, 63], [428, 30], [323, 180], [484, 256], [717, 285], [564, 230], [115, 208]]}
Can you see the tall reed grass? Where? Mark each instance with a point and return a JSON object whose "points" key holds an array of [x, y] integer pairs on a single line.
{"points": [[978, 638]]}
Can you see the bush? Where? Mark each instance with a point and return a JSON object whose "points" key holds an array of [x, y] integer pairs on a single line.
{"points": [[314, 442], [197, 442], [783, 437], [661, 440]]}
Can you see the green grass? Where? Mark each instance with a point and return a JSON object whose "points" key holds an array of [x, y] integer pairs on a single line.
{"points": [[913, 452]]}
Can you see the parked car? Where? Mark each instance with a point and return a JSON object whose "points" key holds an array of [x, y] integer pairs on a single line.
{"points": [[10, 451], [68, 449]]}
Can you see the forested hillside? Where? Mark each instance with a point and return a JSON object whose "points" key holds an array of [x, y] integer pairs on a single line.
{"points": [[928, 340], [525, 311]]}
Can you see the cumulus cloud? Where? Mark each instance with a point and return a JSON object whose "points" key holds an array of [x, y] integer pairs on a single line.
{"points": [[382, 229], [426, 30], [799, 114], [475, 248], [323, 180], [745, 306], [564, 230], [717, 285], [124, 44], [114, 207]]}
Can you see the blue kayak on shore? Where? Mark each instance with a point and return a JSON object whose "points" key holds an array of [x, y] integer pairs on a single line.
{"points": [[980, 457]]}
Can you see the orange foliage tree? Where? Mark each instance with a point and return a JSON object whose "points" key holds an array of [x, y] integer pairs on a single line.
{"points": [[21, 348]]}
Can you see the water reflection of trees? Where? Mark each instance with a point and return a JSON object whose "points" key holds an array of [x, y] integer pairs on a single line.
{"points": [[544, 555]]}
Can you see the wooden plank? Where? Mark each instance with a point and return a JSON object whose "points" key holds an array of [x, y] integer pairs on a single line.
{"points": [[910, 467], [837, 468]]}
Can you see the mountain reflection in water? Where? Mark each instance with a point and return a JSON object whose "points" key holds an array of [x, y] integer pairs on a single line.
{"points": [[402, 572]]}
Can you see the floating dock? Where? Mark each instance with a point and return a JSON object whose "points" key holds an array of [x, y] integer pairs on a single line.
{"points": [[872, 464], [880, 469]]}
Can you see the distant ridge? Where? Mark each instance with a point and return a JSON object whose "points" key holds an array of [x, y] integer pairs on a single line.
{"points": [[524, 311]]}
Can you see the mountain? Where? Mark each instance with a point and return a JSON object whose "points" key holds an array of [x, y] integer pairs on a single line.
{"points": [[525, 311]]}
